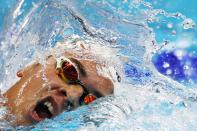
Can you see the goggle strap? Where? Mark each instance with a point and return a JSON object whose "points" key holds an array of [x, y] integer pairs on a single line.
{"points": [[89, 98], [86, 97]]}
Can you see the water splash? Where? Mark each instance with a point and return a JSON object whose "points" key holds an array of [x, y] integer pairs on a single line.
{"points": [[145, 100]]}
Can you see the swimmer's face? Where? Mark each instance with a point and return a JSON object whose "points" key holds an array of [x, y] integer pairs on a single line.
{"points": [[41, 93]]}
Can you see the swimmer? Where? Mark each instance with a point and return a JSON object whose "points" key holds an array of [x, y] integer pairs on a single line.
{"points": [[62, 84]]}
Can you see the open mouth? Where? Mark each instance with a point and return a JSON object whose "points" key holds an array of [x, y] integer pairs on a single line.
{"points": [[43, 109], [49, 107]]}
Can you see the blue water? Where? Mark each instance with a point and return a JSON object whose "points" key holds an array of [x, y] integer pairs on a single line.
{"points": [[156, 41]]}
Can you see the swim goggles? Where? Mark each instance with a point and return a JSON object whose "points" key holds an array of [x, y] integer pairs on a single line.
{"points": [[68, 72]]}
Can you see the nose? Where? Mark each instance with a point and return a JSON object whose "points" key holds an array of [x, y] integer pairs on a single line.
{"points": [[67, 92], [71, 94], [63, 102], [66, 103], [62, 92]]}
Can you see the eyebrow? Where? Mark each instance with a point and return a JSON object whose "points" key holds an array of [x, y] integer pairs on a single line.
{"points": [[79, 66]]}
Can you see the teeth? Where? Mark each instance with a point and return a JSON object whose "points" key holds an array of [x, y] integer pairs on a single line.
{"points": [[49, 105]]}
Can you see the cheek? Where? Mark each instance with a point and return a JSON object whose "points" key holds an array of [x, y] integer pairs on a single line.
{"points": [[31, 91]]}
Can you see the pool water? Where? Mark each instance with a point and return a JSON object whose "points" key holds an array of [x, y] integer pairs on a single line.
{"points": [[155, 41]]}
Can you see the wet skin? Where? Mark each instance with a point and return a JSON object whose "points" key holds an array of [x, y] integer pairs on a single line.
{"points": [[29, 96]]}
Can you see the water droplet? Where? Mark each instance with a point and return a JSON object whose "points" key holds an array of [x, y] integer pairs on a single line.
{"points": [[169, 25], [188, 24], [168, 72], [166, 65], [186, 67], [173, 32]]}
